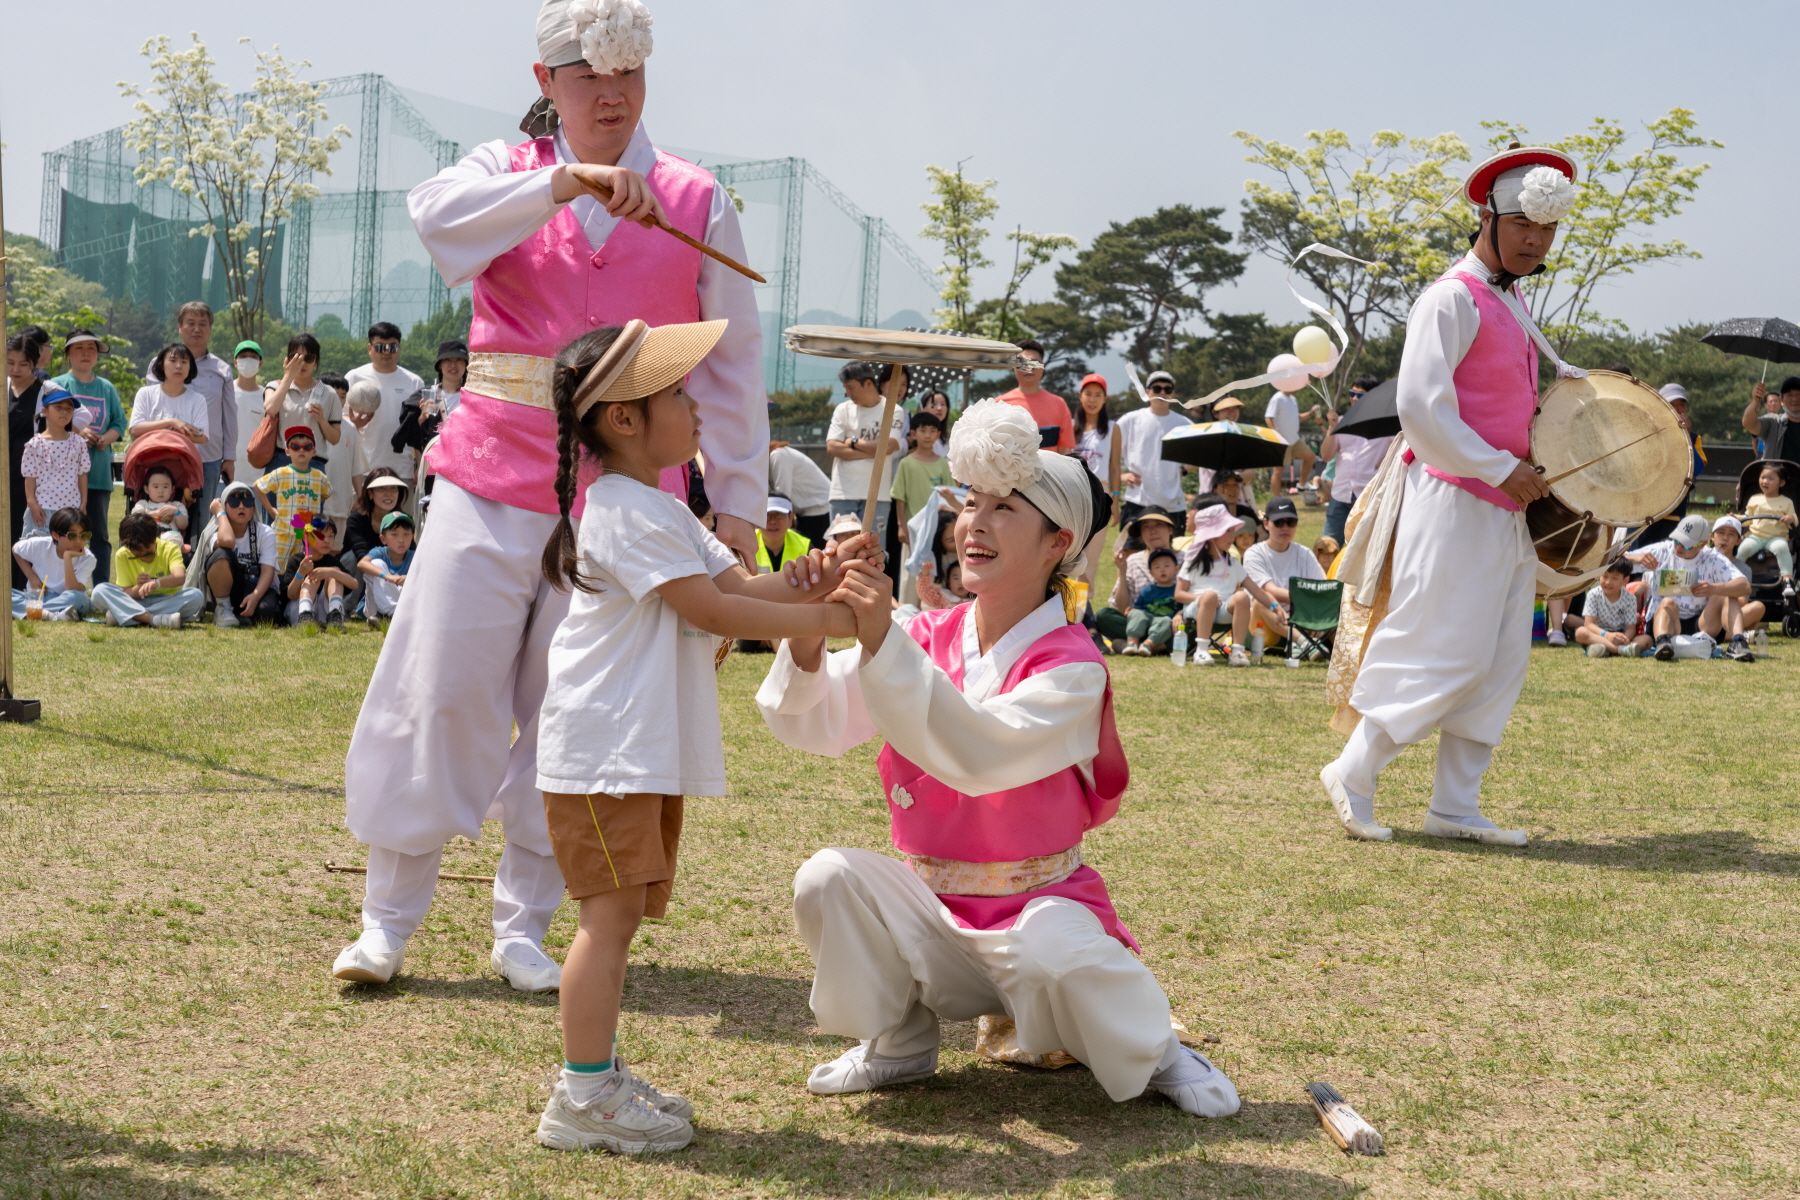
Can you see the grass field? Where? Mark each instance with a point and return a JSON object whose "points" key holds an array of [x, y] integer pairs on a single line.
{"points": [[1609, 1012]]}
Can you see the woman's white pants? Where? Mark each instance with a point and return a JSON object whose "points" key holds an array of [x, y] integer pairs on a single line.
{"points": [[433, 754], [890, 962], [1452, 651]]}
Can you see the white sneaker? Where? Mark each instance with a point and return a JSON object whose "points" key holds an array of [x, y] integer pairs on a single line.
{"points": [[1196, 1086], [1239, 657], [655, 1097], [1365, 831], [62, 614], [1201, 657], [223, 617], [166, 621], [619, 1120], [375, 957], [860, 1070], [1596, 650], [1486, 832], [526, 967], [112, 618], [1556, 637]]}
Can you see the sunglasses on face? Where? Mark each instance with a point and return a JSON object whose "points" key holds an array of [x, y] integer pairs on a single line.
{"points": [[239, 501], [1161, 389], [385, 347], [1284, 523]]}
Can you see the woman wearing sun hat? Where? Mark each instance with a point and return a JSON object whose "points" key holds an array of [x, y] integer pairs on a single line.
{"points": [[1451, 649]]}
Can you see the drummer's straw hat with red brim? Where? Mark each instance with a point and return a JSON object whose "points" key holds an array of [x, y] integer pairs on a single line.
{"points": [[1478, 188], [643, 361]]}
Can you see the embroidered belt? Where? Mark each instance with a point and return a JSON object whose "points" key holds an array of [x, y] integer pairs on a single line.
{"points": [[951, 877], [515, 378]]}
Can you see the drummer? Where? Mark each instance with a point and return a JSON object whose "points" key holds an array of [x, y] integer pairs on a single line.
{"points": [[1451, 651]]}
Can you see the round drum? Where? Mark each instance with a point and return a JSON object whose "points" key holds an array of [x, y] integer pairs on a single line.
{"points": [[1618, 446], [903, 346]]}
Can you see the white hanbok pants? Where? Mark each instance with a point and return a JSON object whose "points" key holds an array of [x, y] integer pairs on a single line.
{"points": [[433, 754], [1452, 651], [890, 962]]}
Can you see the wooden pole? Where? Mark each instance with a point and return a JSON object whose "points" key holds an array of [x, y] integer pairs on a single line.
{"points": [[895, 388], [11, 707]]}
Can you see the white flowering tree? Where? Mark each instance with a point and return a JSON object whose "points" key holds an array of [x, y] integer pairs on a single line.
{"points": [[244, 161]]}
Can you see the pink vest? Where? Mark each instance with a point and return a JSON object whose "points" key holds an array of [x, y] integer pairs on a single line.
{"points": [[1044, 817], [1496, 385], [544, 293]]}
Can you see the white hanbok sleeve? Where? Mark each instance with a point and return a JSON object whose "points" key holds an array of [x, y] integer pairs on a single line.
{"points": [[1048, 723], [471, 213], [728, 383], [1439, 331]]}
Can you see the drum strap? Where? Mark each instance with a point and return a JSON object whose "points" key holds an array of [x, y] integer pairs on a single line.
{"points": [[1563, 370]]}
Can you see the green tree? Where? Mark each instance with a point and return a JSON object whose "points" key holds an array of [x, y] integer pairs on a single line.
{"points": [[39, 293], [1718, 384], [1623, 194], [1147, 279], [242, 161], [1381, 201], [958, 220], [1030, 251], [418, 352]]}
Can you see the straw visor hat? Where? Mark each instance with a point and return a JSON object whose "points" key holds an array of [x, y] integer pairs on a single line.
{"points": [[643, 361]]}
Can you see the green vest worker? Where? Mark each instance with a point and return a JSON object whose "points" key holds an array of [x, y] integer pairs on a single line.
{"points": [[779, 529]]}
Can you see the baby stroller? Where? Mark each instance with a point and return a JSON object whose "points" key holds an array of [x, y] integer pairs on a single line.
{"points": [[170, 450], [1765, 575]]}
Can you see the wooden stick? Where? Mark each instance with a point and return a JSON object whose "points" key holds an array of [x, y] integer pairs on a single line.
{"points": [[605, 195], [896, 385], [331, 866]]}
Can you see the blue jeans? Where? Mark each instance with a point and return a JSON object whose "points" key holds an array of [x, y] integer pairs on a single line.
{"points": [[125, 609], [1336, 513], [54, 602]]}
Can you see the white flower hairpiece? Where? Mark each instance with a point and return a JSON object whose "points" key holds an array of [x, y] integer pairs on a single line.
{"points": [[1547, 195], [994, 448], [614, 34]]}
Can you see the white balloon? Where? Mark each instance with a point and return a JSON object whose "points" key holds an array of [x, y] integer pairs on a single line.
{"points": [[1287, 362], [1312, 344]]}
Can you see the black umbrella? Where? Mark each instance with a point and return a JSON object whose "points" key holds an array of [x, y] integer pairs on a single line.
{"points": [[1224, 446], [1376, 413], [1769, 338]]}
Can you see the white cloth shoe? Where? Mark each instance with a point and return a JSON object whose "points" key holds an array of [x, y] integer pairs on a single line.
{"points": [[1476, 829], [166, 621], [619, 1120], [375, 957], [1238, 657], [223, 617], [1364, 831], [861, 1070], [527, 968], [1196, 1086]]}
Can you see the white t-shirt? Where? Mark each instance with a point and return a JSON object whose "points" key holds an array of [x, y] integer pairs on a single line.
{"points": [[154, 404], [850, 477], [249, 416], [349, 458], [1283, 416], [1141, 454], [798, 478], [397, 386], [265, 545], [1708, 566], [1095, 450], [1267, 567], [41, 553], [631, 704], [1225, 577]]}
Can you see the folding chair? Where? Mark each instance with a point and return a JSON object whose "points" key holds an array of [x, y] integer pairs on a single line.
{"points": [[1315, 617]]}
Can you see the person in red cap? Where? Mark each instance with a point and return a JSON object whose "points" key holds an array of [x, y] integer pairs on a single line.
{"points": [[1097, 444], [1450, 651], [298, 489]]}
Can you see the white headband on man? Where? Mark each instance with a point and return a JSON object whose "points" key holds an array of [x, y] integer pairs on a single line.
{"points": [[994, 449], [609, 35], [1544, 194]]}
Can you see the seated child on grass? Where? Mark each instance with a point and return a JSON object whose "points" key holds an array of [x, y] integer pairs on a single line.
{"points": [[1150, 625], [312, 572], [386, 567], [162, 505], [59, 569], [149, 582], [1610, 617]]}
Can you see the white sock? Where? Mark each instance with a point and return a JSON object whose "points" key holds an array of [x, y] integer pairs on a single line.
{"points": [[585, 1087], [335, 604], [305, 606]]}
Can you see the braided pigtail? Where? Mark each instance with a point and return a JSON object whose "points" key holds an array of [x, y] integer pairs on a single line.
{"points": [[562, 560]]}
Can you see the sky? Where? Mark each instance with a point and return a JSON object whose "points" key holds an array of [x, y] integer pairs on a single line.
{"points": [[1084, 113]]}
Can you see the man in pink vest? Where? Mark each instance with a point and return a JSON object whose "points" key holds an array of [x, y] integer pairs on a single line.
{"points": [[1452, 649], [434, 753]]}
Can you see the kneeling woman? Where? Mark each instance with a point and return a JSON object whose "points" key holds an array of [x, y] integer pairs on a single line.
{"points": [[1001, 753]]}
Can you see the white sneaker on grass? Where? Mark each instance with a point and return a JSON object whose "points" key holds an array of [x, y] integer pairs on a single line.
{"points": [[375, 957], [1239, 657], [861, 1070], [223, 617], [1196, 1086], [1596, 650], [655, 1097], [166, 621], [525, 966], [619, 1120]]}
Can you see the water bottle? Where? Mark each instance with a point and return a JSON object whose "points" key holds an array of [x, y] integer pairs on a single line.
{"points": [[1762, 640], [1257, 642], [1178, 647]]}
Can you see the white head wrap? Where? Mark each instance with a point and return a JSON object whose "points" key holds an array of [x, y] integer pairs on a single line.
{"points": [[610, 35], [1543, 194], [994, 449]]}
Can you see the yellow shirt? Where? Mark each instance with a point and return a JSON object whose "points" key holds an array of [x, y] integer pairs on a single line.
{"points": [[1778, 506], [165, 559]]}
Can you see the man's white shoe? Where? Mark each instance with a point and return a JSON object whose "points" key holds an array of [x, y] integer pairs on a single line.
{"points": [[1196, 1086], [223, 617], [1487, 833], [523, 965], [375, 957], [618, 1120], [1366, 831], [861, 1070]]}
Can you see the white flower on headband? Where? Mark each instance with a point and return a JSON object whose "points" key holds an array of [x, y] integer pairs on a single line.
{"points": [[1547, 195], [994, 448], [614, 34]]}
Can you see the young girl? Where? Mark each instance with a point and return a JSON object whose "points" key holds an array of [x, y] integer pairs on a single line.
{"points": [[1097, 445], [382, 492], [1326, 551], [631, 717], [54, 465], [1727, 536], [161, 505], [1001, 753], [1771, 521], [1609, 623], [1212, 582]]}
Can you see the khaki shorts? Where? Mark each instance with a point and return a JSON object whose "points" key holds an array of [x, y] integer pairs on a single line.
{"points": [[604, 843], [1298, 450]]}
